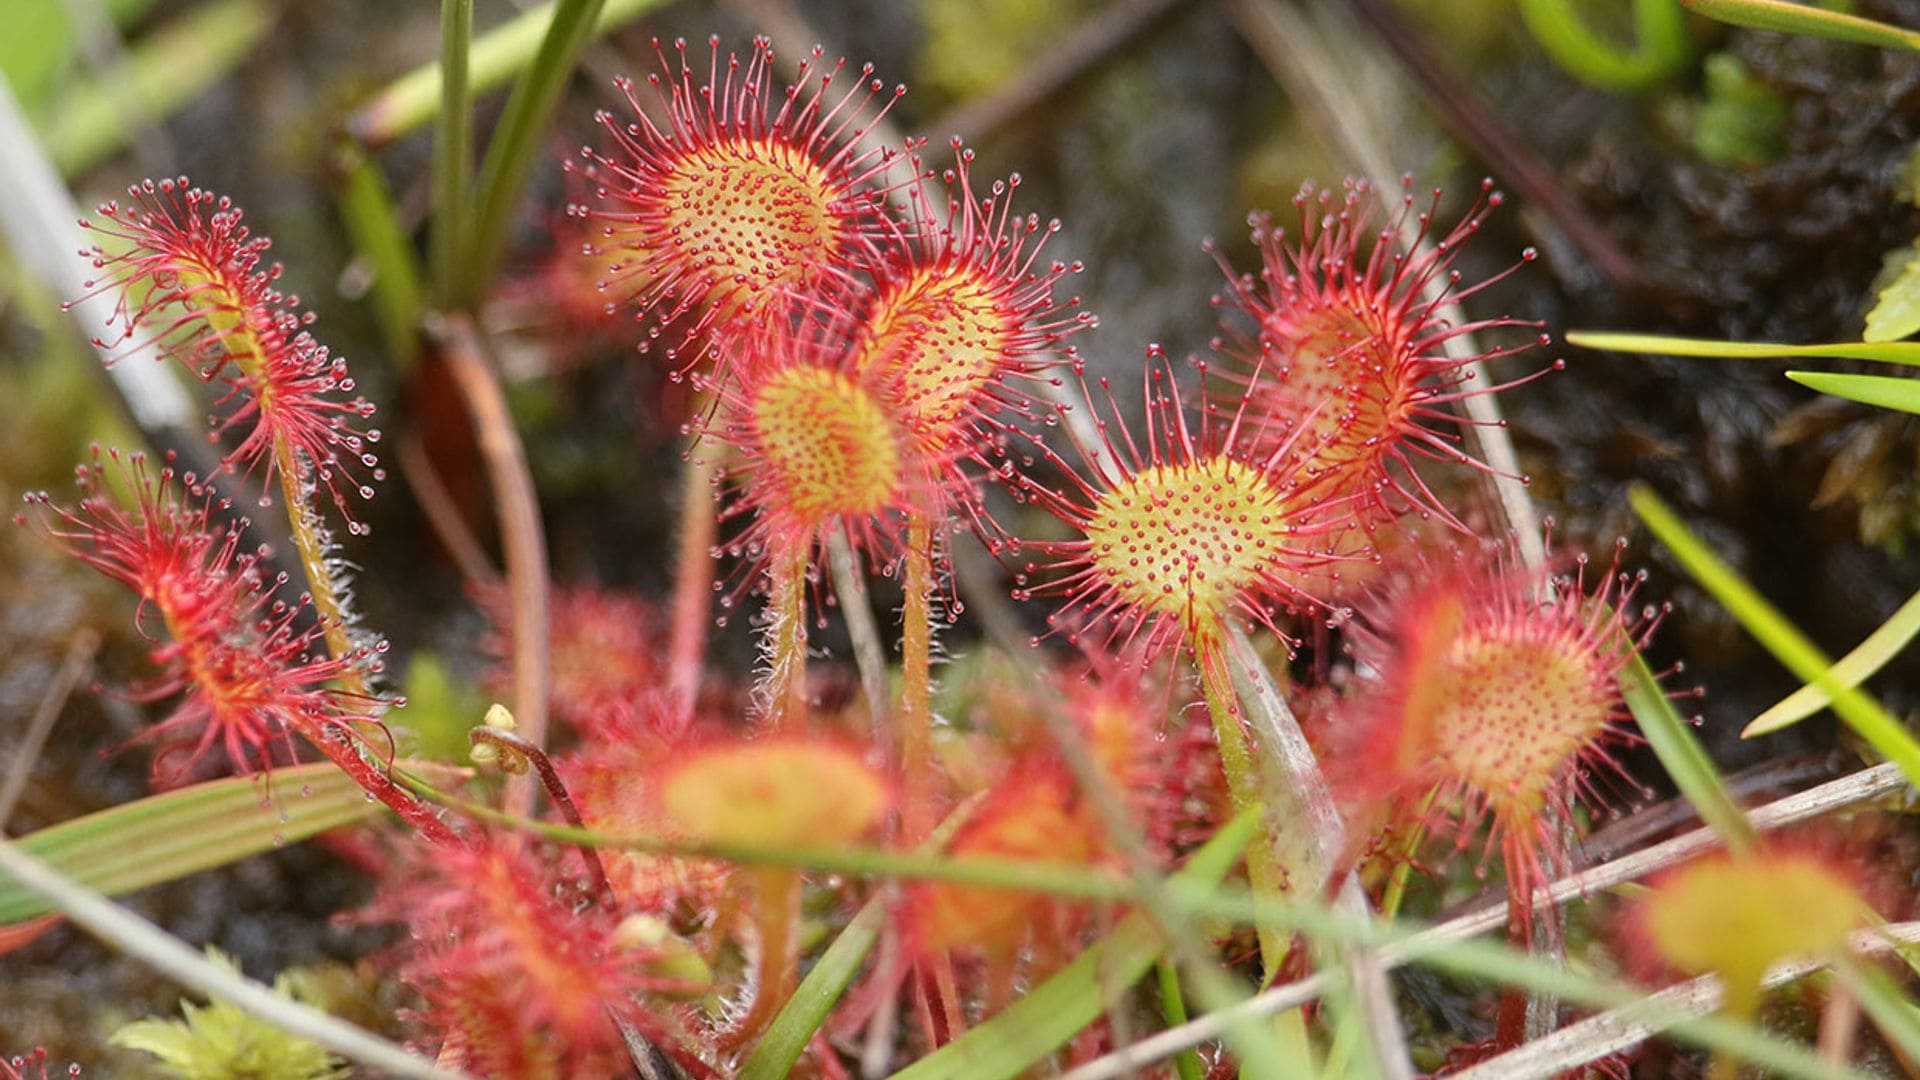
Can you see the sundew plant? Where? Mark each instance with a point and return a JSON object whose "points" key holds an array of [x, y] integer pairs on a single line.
{"points": [[775, 590]]}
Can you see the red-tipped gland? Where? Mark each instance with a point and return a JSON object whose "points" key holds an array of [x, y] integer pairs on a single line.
{"points": [[827, 446], [742, 195], [965, 310], [816, 444], [190, 278], [1355, 354], [31, 1067]]}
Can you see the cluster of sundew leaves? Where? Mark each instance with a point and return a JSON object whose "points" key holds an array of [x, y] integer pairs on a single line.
{"points": [[853, 361], [1347, 376]]}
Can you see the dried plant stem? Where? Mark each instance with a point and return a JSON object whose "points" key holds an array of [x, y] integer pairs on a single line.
{"points": [[693, 578], [21, 756], [786, 635], [522, 536], [916, 679]]}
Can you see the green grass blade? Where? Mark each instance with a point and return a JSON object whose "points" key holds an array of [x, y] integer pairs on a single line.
{"points": [[1890, 352], [517, 142], [1781, 638], [787, 1037], [1855, 668], [164, 72], [452, 145], [1797, 18], [496, 57], [168, 836], [366, 208], [1681, 755], [1053, 1012], [1173, 1007], [1881, 391]]}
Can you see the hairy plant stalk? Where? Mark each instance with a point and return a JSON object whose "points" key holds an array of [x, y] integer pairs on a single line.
{"points": [[310, 544], [916, 679], [692, 579], [786, 635]]}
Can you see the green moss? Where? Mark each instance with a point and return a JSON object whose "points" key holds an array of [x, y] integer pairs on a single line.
{"points": [[219, 1041]]}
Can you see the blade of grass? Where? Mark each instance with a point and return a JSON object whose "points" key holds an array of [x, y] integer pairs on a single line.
{"points": [[366, 208], [1855, 668], [452, 145], [1787, 644], [516, 143], [1881, 391], [786, 1038], [1682, 756], [1053, 1012], [167, 70], [1174, 1008], [1891, 352], [497, 56], [181, 832], [1792, 18]]}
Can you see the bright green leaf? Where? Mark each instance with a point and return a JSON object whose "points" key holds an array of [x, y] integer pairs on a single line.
{"points": [[1897, 313], [171, 835], [1893, 352], [1681, 755], [1794, 18], [1881, 391], [1771, 629], [1851, 670]]}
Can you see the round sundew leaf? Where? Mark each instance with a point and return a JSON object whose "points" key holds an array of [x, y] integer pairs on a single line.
{"points": [[829, 447], [773, 793], [1736, 916], [1189, 541], [940, 335], [751, 214]]}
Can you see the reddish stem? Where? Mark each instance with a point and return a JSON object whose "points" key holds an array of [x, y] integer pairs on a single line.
{"points": [[556, 791], [342, 751]]}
